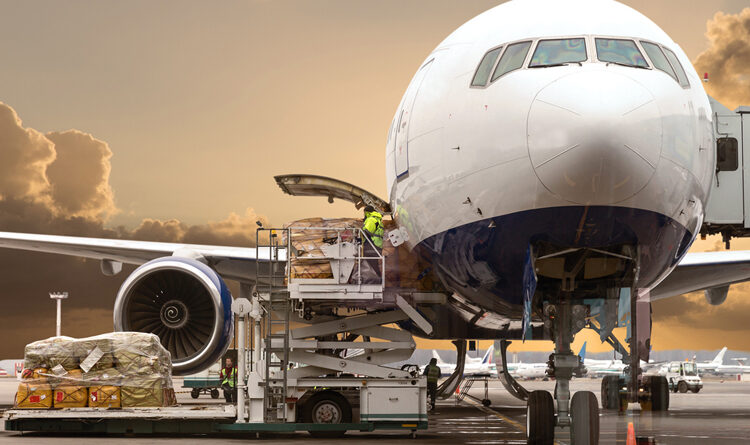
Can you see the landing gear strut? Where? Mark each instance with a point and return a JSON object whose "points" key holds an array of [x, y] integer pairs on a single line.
{"points": [[581, 414], [650, 391]]}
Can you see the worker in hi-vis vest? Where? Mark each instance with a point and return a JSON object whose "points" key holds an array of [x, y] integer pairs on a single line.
{"points": [[228, 377], [432, 371], [371, 247]]}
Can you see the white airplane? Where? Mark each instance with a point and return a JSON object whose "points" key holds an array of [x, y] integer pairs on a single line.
{"points": [[714, 365], [717, 366], [532, 371], [739, 368], [479, 366], [550, 159]]}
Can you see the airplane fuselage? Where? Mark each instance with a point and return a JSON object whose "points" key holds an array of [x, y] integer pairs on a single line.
{"points": [[585, 154]]}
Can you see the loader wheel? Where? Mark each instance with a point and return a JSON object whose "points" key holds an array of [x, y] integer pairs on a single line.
{"points": [[214, 393], [682, 387], [195, 392], [327, 407]]}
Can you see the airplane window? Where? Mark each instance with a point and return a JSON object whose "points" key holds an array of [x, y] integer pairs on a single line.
{"points": [[621, 52], [512, 59], [558, 52], [658, 58], [485, 68], [672, 57]]}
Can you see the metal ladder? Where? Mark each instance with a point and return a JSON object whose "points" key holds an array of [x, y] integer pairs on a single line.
{"points": [[272, 286], [466, 385]]}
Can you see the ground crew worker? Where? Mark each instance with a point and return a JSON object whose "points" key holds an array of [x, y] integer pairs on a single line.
{"points": [[228, 377], [432, 371], [373, 228]]}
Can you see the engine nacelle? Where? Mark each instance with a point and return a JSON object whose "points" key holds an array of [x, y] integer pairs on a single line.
{"points": [[717, 295], [185, 303]]}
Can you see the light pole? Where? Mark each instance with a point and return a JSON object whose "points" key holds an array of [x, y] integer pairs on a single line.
{"points": [[59, 296]]}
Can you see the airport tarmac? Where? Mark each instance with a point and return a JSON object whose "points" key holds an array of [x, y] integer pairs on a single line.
{"points": [[719, 414]]}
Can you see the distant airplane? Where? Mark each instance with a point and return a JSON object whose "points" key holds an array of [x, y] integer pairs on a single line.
{"points": [[717, 366], [531, 371], [713, 365], [472, 367]]}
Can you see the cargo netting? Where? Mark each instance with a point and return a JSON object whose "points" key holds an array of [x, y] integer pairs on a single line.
{"points": [[115, 370]]}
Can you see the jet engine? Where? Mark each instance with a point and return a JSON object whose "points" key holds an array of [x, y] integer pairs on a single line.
{"points": [[716, 295], [185, 303]]}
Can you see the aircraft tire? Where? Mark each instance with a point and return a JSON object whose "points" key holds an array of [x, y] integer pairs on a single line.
{"points": [[584, 410], [611, 392], [659, 393], [540, 419]]}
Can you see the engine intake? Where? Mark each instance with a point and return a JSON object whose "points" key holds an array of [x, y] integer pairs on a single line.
{"points": [[185, 303]]}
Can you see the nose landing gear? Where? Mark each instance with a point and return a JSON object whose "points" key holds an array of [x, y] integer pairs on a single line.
{"points": [[581, 414]]}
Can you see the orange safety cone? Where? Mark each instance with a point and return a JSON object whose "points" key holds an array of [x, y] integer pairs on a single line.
{"points": [[631, 435]]}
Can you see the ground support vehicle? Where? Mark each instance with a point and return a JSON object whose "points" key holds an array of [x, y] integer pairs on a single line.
{"points": [[201, 385], [683, 377], [299, 379]]}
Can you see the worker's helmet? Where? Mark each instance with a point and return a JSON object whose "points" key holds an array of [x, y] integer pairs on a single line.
{"points": [[369, 209]]}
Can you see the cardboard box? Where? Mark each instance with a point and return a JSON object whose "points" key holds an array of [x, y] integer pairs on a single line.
{"points": [[105, 397], [34, 396]]}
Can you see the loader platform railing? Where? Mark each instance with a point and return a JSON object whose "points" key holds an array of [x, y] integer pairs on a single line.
{"points": [[357, 267]]}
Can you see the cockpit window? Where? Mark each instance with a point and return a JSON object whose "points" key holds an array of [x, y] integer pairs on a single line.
{"points": [[620, 51], [672, 57], [558, 52], [658, 58], [485, 68], [512, 59]]}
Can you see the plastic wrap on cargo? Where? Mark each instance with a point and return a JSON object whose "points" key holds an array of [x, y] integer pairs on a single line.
{"points": [[119, 369], [308, 235], [308, 261], [403, 268]]}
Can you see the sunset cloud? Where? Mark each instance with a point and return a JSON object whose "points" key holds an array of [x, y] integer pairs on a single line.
{"points": [[25, 155], [58, 183], [727, 60], [79, 176]]}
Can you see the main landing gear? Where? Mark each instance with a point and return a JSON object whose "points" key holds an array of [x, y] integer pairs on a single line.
{"points": [[581, 414]]}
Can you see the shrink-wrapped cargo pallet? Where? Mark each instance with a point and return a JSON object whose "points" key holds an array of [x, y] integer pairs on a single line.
{"points": [[121, 369]]}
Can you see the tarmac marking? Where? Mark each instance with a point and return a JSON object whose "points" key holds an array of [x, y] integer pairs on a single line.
{"points": [[491, 411], [502, 417]]}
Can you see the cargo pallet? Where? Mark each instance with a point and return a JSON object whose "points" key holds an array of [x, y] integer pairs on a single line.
{"points": [[272, 396]]}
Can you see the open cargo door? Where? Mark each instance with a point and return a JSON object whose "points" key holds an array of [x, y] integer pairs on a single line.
{"points": [[313, 185]]}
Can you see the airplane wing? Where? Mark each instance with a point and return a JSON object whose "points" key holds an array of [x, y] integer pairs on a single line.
{"points": [[704, 270], [236, 263]]}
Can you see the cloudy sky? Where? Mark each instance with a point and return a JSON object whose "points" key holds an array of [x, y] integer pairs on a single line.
{"points": [[166, 120]]}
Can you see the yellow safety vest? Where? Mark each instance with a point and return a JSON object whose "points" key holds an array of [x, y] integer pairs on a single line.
{"points": [[373, 226], [433, 373], [228, 378]]}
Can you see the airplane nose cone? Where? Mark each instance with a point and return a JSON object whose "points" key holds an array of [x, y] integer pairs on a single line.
{"points": [[594, 138]]}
